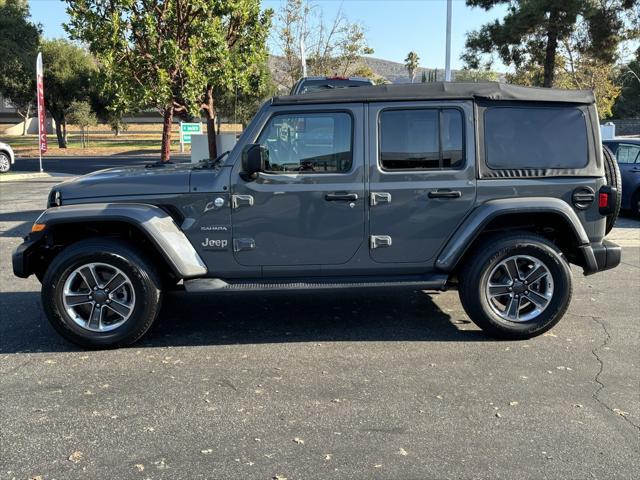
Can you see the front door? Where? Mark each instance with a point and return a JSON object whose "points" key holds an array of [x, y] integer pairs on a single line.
{"points": [[308, 207], [422, 171]]}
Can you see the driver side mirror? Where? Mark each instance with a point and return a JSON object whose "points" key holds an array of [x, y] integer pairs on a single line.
{"points": [[254, 160]]}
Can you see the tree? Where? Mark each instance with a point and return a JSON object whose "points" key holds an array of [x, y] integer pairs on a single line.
{"points": [[80, 114], [106, 106], [532, 32], [582, 72], [18, 50], [628, 103], [173, 55], [476, 75], [334, 48], [68, 70], [241, 106], [412, 62]]}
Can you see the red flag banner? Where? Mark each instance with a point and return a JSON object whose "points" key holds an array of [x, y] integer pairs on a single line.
{"points": [[42, 127]]}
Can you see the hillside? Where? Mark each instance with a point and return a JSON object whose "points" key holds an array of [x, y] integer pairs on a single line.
{"points": [[394, 72]]}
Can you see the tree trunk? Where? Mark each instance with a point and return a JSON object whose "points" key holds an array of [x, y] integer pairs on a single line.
{"points": [[64, 132], [550, 53], [62, 141], [210, 110], [165, 155], [25, 117]]}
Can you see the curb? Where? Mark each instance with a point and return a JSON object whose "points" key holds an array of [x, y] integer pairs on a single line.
{"points": [[13, 177]]}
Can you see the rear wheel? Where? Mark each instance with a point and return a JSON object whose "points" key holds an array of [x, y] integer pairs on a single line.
{"points": [[101, 293], [516, 286], [612, 174]]}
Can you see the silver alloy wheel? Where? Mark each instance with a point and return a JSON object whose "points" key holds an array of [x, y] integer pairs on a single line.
{"points": [[5, 163], [98, 297], [519, 288]]}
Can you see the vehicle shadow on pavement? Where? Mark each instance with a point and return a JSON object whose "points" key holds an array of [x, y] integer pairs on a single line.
{"points": [[254, 318], [338, 315]]}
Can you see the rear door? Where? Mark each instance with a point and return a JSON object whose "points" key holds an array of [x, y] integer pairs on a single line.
{"points": [[422, 177]]}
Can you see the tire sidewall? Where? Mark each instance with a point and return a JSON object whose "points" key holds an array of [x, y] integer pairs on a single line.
{"points": [[613, 179], [146, 293], [477, 303]]}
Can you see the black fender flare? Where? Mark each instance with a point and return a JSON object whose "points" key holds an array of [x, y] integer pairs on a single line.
{"points": [[479, 218], [154, 222]]}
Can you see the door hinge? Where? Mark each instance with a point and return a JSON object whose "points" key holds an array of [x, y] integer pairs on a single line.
{"points": [[243, 244], [376, 198], [380, 241], [238, 201]]}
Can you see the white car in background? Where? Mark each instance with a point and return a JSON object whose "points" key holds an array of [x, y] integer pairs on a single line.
{"points": [[7, 157]]}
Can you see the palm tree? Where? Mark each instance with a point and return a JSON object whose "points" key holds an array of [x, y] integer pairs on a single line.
{"points": [[411, 62]]}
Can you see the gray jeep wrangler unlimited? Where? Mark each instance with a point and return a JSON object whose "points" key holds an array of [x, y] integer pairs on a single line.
{"points": [[488, 188]]}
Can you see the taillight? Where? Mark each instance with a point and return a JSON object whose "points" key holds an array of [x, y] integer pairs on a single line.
{"points": [[607, 199], [603, 200]]}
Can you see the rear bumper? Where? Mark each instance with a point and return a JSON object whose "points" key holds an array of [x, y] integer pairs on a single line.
{"points": [[601, 256]]}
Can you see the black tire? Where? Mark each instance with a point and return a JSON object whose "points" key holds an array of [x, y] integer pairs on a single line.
{"points": [[488, 256], [144, 282], [612, 174]]}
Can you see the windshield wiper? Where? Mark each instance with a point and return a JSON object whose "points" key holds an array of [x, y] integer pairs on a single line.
{"points": [[209, 163]]}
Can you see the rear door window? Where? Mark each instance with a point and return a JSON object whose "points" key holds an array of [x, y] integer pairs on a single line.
{"points": [[421, 139], [535, 138]]}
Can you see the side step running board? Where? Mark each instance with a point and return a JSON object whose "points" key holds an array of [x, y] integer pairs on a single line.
{"points": [[430, 282]]}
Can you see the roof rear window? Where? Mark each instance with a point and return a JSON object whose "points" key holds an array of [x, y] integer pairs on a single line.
{"points": [[535, 138]]}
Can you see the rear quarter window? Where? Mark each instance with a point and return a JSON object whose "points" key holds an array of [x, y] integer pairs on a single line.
{"points": [[535, 138]]}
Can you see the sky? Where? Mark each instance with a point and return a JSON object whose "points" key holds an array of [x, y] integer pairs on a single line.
{"points": [[393, 27]]}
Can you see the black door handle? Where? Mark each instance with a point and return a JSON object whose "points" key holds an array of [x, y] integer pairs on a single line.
{"points": [[445, 194], [341, 197]]}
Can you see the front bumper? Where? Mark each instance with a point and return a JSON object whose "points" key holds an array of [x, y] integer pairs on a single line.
{"points": [[601, 256], [25, 256]]}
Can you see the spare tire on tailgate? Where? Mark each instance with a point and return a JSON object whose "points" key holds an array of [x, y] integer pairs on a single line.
{"points": [[612, 174]]}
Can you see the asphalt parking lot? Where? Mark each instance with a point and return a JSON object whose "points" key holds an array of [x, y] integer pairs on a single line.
{"points": [[343, 384]]}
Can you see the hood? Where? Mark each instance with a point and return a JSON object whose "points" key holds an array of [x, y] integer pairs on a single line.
{"points": [[117, 182]]}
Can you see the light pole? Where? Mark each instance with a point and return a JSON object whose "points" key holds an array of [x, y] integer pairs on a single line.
{"points": [[303, 55], [447, 64]]}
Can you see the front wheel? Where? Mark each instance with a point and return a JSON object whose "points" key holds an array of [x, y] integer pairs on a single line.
{"points": [[516, 286], [101, 293], [5, 163]]}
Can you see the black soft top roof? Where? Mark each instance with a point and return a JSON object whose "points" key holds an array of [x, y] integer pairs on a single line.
{"points": [[440, 91]]}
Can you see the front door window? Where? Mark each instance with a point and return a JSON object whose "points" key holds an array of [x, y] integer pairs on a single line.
{"points": [[308, 143]]}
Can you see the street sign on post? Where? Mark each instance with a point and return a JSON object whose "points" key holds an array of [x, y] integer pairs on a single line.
{"points": [[186, 130]]}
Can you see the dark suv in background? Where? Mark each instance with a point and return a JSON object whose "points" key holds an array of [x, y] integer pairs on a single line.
{"points": [[317, 84]]}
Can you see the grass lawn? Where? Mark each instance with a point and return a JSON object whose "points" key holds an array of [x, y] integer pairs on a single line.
{"points": [[138, 139]]}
